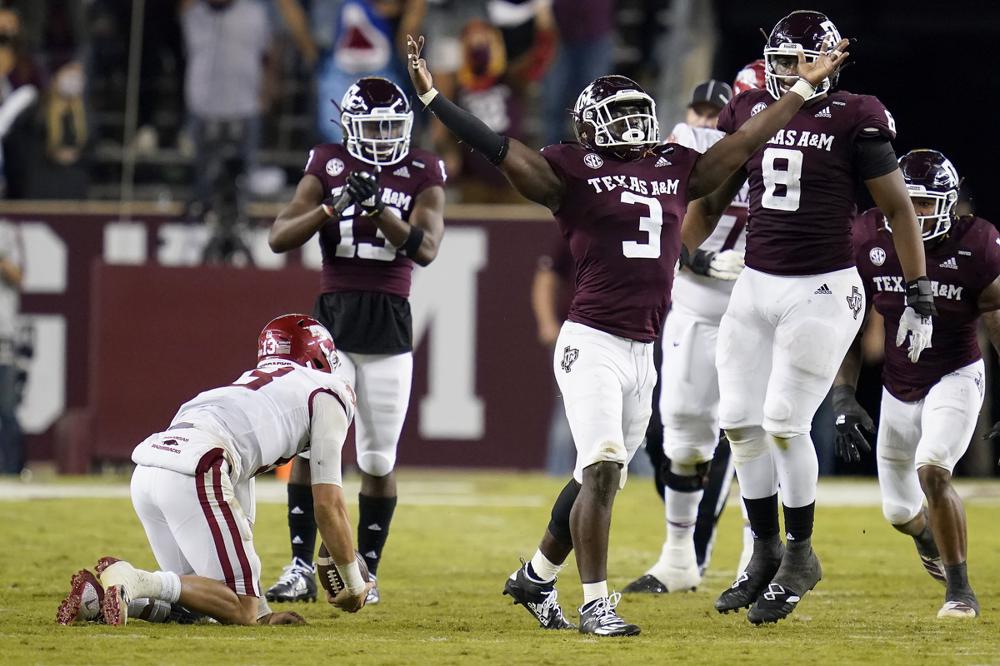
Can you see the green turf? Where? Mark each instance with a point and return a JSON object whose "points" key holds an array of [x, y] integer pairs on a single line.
{"points": [[444, 569]]}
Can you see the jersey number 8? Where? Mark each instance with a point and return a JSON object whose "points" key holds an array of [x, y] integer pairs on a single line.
{"points": [[790, 177]]}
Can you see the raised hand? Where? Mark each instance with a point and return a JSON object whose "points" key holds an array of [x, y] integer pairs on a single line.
{"points": [[417, 66], [824, 66]]}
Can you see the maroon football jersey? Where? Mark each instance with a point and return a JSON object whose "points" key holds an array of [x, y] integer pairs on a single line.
{"points": [[803, 181], [964, 263], [356, 256], [622, 220]]}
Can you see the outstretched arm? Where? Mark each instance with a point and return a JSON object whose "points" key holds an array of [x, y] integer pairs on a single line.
{"points": [[732, 152], [526, 169]]}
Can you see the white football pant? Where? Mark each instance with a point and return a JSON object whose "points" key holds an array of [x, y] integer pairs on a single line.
{"points": [[195, 525], [606, 384], [933, 431]]}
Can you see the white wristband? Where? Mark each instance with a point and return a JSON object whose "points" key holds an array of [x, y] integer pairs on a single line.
{"points": [[803, 89], [351, 575], [428, 96]]}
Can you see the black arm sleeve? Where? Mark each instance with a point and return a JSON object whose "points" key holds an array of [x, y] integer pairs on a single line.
{"points": [[874, 157], [469, 129]]}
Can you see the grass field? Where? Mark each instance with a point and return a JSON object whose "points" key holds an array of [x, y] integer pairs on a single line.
{"points": [[455, 537]]}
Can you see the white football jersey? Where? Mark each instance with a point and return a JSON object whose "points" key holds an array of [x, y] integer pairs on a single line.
{"points": [[265, 416], [704, 297]]}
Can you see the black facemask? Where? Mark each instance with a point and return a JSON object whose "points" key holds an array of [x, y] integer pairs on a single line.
{"points": [[219, 5]]}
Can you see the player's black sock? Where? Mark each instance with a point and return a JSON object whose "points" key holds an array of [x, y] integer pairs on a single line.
{"points": [[720, 478], [301, 522], [799, 522], [763, 514], [925, 542], [374, 516], [958, 578]]}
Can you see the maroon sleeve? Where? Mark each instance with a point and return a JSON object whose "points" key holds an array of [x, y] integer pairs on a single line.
{"points": [[316, 162], [727, 117], [555, 155], [990, 269], [872, 119], [434, 170]]}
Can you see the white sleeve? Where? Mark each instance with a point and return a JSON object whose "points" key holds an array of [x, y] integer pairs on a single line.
{"points": [[327, 435]]}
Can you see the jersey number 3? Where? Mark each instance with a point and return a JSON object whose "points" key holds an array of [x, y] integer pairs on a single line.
{"points": [[652, 224], [788, 177]]}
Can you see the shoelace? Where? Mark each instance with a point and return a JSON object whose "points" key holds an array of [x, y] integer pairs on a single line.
{"points": [[290, 572], [550, 604], [604, 611]]}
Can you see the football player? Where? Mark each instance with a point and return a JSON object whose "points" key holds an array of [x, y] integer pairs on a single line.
{"points": [[193, 485], [619, 199], [929, 409], [799, 302], [378, 208], [694, 474]]}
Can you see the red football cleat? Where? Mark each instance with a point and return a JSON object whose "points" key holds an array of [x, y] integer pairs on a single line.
{"points": [[84, 601]]}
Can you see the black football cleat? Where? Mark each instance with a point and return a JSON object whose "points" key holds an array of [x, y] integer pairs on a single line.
{"points": [[797, 575], [296, 583], [750, 582], [646, 584], [600, 618], [541, 599]]}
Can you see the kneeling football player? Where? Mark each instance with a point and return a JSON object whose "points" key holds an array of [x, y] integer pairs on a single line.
{"points": [[930, 408], [193, 487]]}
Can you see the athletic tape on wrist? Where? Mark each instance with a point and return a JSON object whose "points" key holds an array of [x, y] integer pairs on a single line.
{"points": [[428, 96], [351, 575], [803, 89]]}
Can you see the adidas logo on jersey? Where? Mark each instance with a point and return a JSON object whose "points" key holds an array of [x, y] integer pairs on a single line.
{"points": [[823, 290], [662, 162], [402, 172], [823, 113], [950, 263]]}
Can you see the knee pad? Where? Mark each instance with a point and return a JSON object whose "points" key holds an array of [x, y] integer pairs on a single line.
{"points": [[608, 451], [559, 522], [686, 483], [778, 412], [376, 463], [747, 443], [898, 513]]}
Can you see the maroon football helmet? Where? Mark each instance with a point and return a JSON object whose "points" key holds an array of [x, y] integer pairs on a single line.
{"points": [[930, 175], [751, 77], [300, 339], [377, 120], [614, 115], [807, 32]]}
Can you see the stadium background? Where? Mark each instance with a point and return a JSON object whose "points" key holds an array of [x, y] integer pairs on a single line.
{"points": [[129, 318]]}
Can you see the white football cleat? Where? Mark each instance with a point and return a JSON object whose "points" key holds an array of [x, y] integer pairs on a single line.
{"points": [[958, 609], [84, 601], [677, 567], [122, 583]]}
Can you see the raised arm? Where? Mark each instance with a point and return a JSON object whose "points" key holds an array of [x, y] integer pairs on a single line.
{"points": [[720, 161], [302, 217], [420, 237], [526, 169]]}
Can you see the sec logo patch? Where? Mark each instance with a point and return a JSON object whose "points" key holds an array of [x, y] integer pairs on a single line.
{"points": [[335, 167], [877, 255], [757, 108], [593, 160]]}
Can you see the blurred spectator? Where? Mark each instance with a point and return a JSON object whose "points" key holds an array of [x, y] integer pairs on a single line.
{"points": [[11, 270], [584, 53], [226, 41], [63, 174], [551, 291], [707, 100], [19, 87], [529, 36], [358, 38], [482, 89], [55, 31]]}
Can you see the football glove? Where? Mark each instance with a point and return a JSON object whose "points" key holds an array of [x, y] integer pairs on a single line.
{"points": [[852, 421], [919, 328], [365, 191], [725, 265]]}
